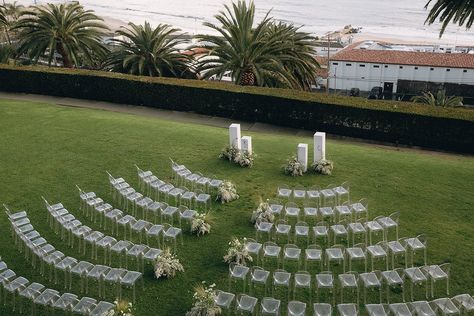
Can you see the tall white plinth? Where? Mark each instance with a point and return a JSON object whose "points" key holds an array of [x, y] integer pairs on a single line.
{"points": [[246, 143], [319, 146], [302, 155], [234, 136]]}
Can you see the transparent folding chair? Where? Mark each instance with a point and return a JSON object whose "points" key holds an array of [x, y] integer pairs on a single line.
{"points": [[263, 228], [325, 281], [175, 168], [339, 230], [377, 309], [163, 191], [172, 233], [349, 280], [361, 209], [284, 191], [423, 308], [292, 211], [321, 230], [371, 280], [282, 229], [120, 249], [202, 200], [81, 270], [388, 223], [92, 240], [356, 253], [310, 211], [30, 293], [97, 274], [191, 180], [327, 214], [50, 261], [182, 175], [445, 306], [465, 303], [154, 209], [113, 277], [112, 217], [299, 193], [174, 195], [376, 252], [238, 272], [150, 256], [328, 197], [84, 196], [343, 212], [66, 303], [13, 287], [155, 188], [342, 192], [394, 278], [141, 176], [253, 248], [105, 243], [400, 309], [187, 198], [301, 232], [126, 221], [143, 204], [140, 228], [302, 280], [224, 300], [186, 215], [356, 229], [296, 308], [335, 254], [416, 277], [437, 273], [202, 183], [271, 250], [136, 252], [276, 207], [416, 244], [129, 280], [102, 308], [65, 265], [322, 309], [281, 279], [258, 276], [214, 184], [80, 233], [84, 306], [313, 253], [270, 306], [395, 248], [374, 228], [313, 194], [246, 303], [47, 298], [291, 252]]}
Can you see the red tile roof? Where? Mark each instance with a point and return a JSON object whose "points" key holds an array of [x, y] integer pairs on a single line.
{"points": [[456, 60]]}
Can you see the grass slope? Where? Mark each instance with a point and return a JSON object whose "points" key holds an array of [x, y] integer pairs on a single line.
{"points": [[47, 149]]}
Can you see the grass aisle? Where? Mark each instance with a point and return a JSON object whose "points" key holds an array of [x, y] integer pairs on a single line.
{"points": [[47, 149]]}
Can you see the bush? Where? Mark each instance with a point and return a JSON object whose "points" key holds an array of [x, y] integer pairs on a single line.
{"points": [[293, 167], [397, 122], [226, 192], [323, 166]]}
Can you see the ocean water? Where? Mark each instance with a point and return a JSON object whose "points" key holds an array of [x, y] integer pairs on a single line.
{"points": [[402, 19]]}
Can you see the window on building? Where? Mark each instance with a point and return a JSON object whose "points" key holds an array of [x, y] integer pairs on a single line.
{"points": [[416, 68], [431, 69], [465, 70], [401, 67], [348, 65], [361, 65], [448, 69], [376, 66], [335, 64], [386, 66]]}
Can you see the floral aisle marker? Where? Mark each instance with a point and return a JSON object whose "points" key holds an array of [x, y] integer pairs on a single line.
{"points": [[201, 224], [263, 213], [293, 167], [204, 298], [237, 252], [167, 265], [243, 158], [122, 308], [226, 192], [323, 166]]}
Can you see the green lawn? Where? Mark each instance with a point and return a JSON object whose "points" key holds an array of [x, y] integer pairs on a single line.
{"points": [[46, 149]]}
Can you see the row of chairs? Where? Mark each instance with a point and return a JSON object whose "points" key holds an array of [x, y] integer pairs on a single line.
{"points": [[326, 280], [332, 195], [463, 303], [47, 298], [36, 247], [183, 176], [123, 248], [381, 225], [386, 251], [310, 210]]}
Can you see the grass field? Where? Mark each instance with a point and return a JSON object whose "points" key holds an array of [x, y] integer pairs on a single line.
{"points": [[46, 149]]}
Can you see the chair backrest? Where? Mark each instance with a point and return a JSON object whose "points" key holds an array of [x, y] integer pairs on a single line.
{"points": [[310, 203], [364, 202], [314, 187], [291, 204], [423, 238], [139, 170], [80, 190], [290, 246], [339, 246], [395, 216], [360, 245], [314, 246], [46, 202], [7, 210], [323, 223], [301, 223], [346, 185], [300, 187]]}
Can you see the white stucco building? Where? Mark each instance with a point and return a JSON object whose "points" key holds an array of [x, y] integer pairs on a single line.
{"points": [[367, 64]]}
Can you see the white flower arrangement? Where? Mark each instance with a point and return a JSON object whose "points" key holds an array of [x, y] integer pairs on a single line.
{"points": [[229, 153], [226, 192], [237, 252], [293, 167], [323, 167], [122, 308], [242, 158], [167, 264], [204, 301], [201, 224], [263, 213]]}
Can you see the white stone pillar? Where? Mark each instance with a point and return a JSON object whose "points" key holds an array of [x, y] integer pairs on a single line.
{"points": [[319, 146], [246, 143], [302, 155], [234, 136]]}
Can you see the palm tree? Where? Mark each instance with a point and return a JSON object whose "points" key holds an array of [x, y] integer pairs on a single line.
{"points": [[66, 29], [439, 100], [460, 12], [149, 51]]}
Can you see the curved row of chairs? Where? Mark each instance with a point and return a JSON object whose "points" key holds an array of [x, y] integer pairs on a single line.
{"points": [[37, 247], [332, 195], [47, 298], [463, 303], [183, 176], [85, 235]]}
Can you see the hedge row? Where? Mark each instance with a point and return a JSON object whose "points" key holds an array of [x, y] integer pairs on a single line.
{"points": [[396, 122]]}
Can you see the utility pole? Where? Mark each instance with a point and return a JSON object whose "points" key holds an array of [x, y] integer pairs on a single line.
{"points": [[329, 48]]}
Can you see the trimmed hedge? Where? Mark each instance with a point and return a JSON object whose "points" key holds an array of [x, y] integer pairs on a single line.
{"points": [[396, 122]]}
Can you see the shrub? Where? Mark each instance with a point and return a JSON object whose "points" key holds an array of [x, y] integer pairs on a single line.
{"points": [[323, 166], [237, 253], [204, 301], [167, 265], [226, 192], [201, 224], [293, 167]]}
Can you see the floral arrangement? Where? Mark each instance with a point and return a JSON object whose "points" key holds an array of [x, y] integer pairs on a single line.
{"points": [[204, 301], [167, 264], [242, 158], [237, 252], [122, 308], [323, 167], [226, 192], [293, 167], [263, 213], [201, 224]]}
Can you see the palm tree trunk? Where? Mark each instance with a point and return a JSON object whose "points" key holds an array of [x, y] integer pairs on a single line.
{"points": [[247, 78], [66, 60]]}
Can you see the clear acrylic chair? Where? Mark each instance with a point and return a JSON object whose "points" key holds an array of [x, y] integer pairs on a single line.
{"points": [[313, 253], [377, 252], [136, 252], [246, 303], [154, 211], [275, 206], [349, 280], [120, 249], [253, 248], [142, 175], [313, 194], [168, 213], [445, 306], [291, 252], [97, 274], [65, 265], [102, 308], [155, 188], [105, 243], [66, 303], [355, 230], [310, 211], [395, 249], [377, 309], [400, 309], [30, 293], [301, 232], [140, 228], [374, 228], [270, 306], [13, 287], [394, 278], [172, 233], [186, 215], [187, 198], [263, 228], [92, 239], [465, 303], [47, 298], [258, 276], [302, 280], [282, 229], [322, 309], [281, 279], [342, 193], [325, 281], [284, 191], [238, 272], [437, 273], [416, 277], [389, 223], [321, 231], [299, 193], [129, 280], [85, 306], [191, 179], [328, 197], [292, 211], [416, 244], [143, 204], [202, 200], [112, 217], [272, 251], [356, 253], [81, 269], [335, 254], [174, 195], [339, 230], [125, 222], [361, 209], [343, 212], [327, 214], [113, 278], [214, 184], [224, 300], [371, 280], [423, 308], [175, 168], [296, 308]]}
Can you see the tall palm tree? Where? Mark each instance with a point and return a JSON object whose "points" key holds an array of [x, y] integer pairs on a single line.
{"points": [[67, 29], [460, 12], [439, 100], [149, 51]]}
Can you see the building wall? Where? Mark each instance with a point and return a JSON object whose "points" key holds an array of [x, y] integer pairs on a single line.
{"points": [[346, 75]]}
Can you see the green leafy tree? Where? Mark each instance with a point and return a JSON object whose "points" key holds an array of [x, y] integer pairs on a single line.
{"points": [[439, 100], [149, 51], [460, 12], [66, 29], [262, 54]]}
